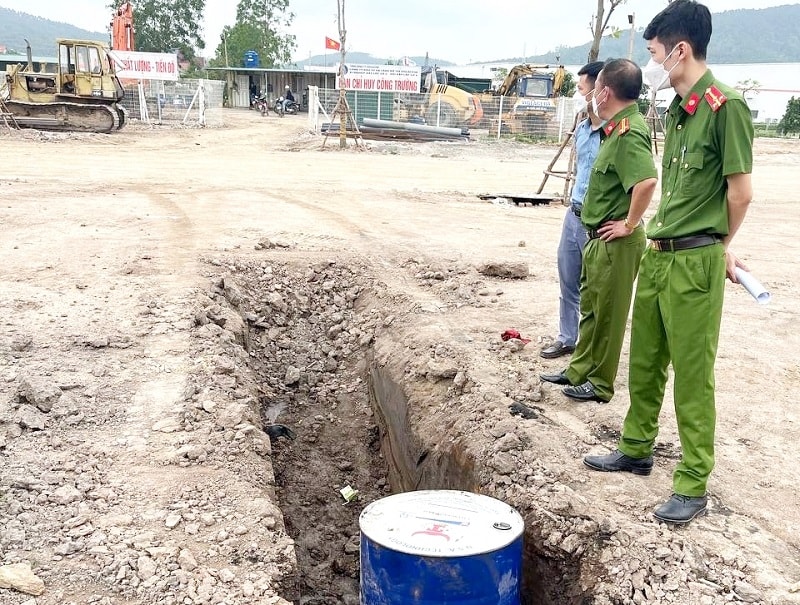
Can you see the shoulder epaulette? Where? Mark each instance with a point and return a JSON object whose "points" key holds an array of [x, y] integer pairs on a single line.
{"points": [[715, 97], [624, 126]]}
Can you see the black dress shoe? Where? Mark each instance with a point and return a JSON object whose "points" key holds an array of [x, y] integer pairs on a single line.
{"points": [[560, 378], [681, 509], [583, 392], [617, 461], [557, 349]]}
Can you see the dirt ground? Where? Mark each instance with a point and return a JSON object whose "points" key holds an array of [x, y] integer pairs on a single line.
{"points": [[169, 293]]}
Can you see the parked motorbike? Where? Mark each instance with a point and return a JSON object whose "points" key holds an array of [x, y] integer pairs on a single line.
{"points": [[278, 106], [261, 104], [292, 107]]}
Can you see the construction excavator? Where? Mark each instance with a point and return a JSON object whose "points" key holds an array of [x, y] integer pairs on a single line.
{"points": [[83, 93], [527, 94]]}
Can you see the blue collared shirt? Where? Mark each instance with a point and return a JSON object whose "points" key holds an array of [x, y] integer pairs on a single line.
{"points": [[587, 144]]}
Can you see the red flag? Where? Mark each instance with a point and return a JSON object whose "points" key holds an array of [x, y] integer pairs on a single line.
{"points": [[332, 44]]}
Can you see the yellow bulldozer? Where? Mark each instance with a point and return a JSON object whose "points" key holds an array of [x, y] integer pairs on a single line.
{"points": [[523, 102], [82, 94]]}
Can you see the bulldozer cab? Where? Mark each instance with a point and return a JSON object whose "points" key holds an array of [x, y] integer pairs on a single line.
{"points": [[536, 81], [535, 86], [85, 70], [430, 77]]}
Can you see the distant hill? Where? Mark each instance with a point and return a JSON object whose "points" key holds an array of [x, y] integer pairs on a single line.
{"points": [[767, 35], [42, 33]]}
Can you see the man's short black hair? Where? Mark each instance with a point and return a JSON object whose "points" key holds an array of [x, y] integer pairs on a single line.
{"points": [[682, 20], [590, 70], [623, 77]]}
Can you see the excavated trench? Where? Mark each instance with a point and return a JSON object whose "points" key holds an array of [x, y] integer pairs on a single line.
{"points": [[313, 332]]}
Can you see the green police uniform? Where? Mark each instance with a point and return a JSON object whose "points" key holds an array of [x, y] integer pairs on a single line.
{"points": [[678, 305], [609, 268]]}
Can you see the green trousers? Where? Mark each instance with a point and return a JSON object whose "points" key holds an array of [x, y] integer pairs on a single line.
{"points": [[607, 276], [676, 317]]}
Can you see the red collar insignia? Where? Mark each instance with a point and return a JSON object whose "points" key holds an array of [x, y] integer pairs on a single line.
{"points": [[715, 97], [610, 127], [692, 104]]}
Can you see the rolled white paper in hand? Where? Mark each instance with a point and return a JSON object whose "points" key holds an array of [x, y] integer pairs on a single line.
{"points": [[753, 286]]}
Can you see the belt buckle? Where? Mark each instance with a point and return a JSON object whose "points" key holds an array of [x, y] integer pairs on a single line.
{"points": [[660, 246]]}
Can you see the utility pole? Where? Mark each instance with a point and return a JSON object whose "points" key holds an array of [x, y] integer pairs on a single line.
{"points": [[631, 19]]}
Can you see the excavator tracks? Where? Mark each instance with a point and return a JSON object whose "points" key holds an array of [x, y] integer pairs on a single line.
{"points": [[63, 116]]}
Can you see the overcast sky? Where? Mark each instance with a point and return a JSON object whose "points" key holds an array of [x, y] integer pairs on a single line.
{"points": [[461, 31]]}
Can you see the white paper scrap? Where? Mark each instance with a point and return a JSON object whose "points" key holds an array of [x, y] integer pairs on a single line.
{"points": [[753, 286]]}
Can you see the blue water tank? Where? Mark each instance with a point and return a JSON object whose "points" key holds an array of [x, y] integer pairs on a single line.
{"points": [[436, 547], [251, 59]]}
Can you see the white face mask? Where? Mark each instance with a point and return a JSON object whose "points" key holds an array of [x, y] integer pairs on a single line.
{"points": [[579, 102], [656, 75], [596, 104]]}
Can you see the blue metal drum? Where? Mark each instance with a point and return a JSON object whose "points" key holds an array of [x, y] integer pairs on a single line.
{"points": [[440, 547]]}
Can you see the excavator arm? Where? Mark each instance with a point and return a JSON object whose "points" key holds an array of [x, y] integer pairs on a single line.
{"points": [[558, 79], [122, 32]]}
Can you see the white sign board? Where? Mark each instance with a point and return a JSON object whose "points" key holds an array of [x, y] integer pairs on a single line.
{"points": [[145, 66], [379, 78]]}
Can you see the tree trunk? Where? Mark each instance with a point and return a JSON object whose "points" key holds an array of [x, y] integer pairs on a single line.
{"points": [[594, 51], [600, 25]]}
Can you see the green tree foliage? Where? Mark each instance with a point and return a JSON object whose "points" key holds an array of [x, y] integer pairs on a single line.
{"points": [[257, 28], [164, 25], [790, 122], [568, 86]]}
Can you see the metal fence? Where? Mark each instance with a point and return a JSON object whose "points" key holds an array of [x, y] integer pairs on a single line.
{"points": [[492, 115], [538, 119], [190, 102]]}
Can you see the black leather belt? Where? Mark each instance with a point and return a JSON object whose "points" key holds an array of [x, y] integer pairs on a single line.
{"points": [[576, 210], [684, 243], [592, 233]]}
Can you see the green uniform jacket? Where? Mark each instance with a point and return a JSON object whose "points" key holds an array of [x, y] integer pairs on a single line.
{"points": [[625, 158], [696, 160], [609, 268], [678, 306]]}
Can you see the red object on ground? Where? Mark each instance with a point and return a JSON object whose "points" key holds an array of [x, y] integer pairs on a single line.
{"points": [[508, 334]]}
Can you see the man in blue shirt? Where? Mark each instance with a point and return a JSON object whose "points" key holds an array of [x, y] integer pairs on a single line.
{"points": [[573, 233]]}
